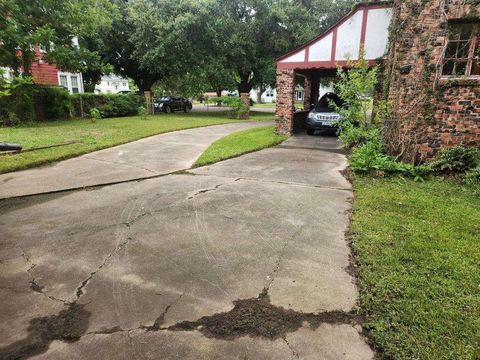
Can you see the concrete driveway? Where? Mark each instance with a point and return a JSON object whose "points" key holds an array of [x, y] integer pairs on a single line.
{"points": [[244, 259], [146, 158]]}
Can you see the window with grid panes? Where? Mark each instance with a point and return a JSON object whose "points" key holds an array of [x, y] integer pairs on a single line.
{"points": [[462, 55]]}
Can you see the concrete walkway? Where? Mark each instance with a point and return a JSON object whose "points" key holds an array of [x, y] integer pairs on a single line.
{"points": [[244, 259], [149, 157]]}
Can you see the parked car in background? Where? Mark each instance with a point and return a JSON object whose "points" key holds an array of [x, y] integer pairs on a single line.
{"points": [[323, 115], [170, 104]]}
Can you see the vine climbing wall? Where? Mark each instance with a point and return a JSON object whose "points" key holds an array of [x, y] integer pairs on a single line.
{"points": [[428, 109]]}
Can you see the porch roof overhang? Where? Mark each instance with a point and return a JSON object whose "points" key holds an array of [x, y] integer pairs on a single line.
{"points": [[365, 26]]}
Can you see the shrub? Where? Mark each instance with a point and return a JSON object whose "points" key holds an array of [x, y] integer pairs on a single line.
{"points": [[473, 176], [56, 100], [111, 105], [369, 157], [456, 160], [95, 114], [235, 103], [351, 136], [16, 101], [356, 88], [142, 111]]}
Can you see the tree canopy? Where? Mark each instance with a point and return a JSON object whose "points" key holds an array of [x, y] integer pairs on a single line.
{"points": [[55, 25], [185, 45]]}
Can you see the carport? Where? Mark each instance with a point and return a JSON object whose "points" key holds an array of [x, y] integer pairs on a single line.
{"points": [[366, 26]]}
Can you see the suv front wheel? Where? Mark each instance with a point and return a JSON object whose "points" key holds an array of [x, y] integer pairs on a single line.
{"points": [[310, 131]]}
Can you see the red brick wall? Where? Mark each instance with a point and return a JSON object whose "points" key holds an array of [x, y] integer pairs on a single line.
{"points": [[428, 112], [285, 103]]}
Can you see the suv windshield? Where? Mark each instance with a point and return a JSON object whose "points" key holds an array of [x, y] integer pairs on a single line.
{"points": [[325, 103], [165, 98]]}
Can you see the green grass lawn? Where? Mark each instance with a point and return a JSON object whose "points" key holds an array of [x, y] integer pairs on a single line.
{"points": [[418, 250], [239, 143], [264, 105], [99, 135]]}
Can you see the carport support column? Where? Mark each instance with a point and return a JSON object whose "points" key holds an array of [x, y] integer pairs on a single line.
{"points": [[315, 89], [307, 91], [285, 103]]}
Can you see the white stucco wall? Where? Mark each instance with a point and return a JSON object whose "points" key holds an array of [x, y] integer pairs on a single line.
{"points": [[348, 37], [322, 49], [300, 56], [376, 39]]}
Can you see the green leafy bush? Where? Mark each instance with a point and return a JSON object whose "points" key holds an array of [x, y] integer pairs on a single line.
{"points": [[239, 109], [111, 105], [142, 111], [473, 176], [56, 101], [352, 136], [356, 87], [17, 101], [369, 157], [95, 114], [456, 160]]}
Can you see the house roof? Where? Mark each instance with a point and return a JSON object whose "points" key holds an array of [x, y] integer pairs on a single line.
{"points": [[365, 7]]}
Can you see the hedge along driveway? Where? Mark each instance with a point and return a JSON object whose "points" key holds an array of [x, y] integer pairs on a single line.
{"points": [[102, 134]]}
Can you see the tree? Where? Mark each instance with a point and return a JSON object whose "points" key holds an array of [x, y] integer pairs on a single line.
{"points": [[327, 12], [250, 34], [164, 40], [356, 87], [55, 25]]}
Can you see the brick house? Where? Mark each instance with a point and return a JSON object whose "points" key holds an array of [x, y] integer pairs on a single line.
{"points": [[433, 71], [429, 52], [44, 73]]}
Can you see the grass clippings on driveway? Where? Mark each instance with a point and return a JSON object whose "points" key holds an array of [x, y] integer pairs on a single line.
{"points": [[239, 143], [418, 250], [102, 134]]}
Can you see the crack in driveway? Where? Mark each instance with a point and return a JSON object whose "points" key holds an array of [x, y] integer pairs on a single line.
{"points": [[203, 191], [79, 291]]}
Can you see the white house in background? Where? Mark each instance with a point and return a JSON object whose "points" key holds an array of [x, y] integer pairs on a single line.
{"points": [[112, 84], [268, 96]]}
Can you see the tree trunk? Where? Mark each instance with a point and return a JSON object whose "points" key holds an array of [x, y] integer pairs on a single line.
{"points": [[27, 60], [244, 86], [261, 90], [219, 94]]}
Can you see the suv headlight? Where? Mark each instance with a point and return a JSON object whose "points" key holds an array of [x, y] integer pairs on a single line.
{"points": [[311, 116]]}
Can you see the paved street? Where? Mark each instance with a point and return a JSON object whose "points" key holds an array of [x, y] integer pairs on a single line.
{"points": [[244, 259]]}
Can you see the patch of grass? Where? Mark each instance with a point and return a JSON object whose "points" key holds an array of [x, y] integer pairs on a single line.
{"points": [[264, 105], [239, 143], [418, 250], [102, 134]]}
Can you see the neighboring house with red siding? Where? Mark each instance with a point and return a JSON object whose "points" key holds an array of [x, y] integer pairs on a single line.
{"points": [[44, 73]]}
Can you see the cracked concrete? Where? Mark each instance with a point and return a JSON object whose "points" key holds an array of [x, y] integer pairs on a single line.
{"points": [[172, 267]]}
